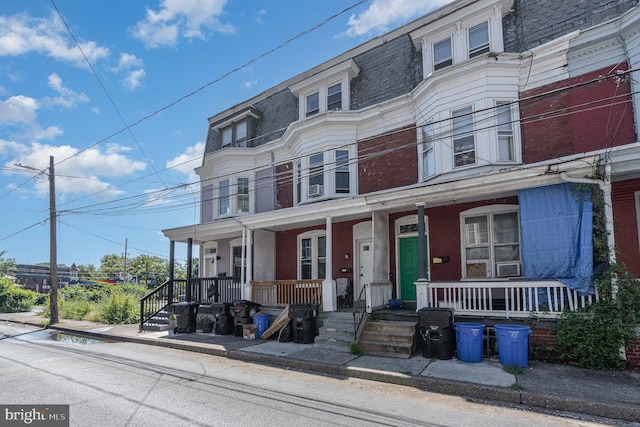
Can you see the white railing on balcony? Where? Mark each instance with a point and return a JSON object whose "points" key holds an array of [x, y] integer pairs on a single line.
{"points": [[509, 299]]}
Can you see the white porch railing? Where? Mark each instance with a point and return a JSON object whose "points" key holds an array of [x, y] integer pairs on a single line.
{"points": [[509, 299]]}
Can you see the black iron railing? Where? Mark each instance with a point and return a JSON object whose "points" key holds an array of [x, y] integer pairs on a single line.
{"points": [[359, 310]]}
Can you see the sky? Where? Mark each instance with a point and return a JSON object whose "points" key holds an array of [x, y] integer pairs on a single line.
{"points": [[119, 93]]}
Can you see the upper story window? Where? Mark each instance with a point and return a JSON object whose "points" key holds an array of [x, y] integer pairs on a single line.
{"points": [[462, 35], [328, 90], [325, 175], [464, 141], [428, 151], [334, 97], [234, 196], [313, 104], [479, 40], [505, 131], [235, 134], [442, 54], [491, 242]]}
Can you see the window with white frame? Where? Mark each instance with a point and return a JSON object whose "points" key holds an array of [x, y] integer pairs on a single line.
{"points": [[223, 197], [334, 97], [235, 134], [312, 250], [464, 141], [325, 175], [505, 131], [442, 54], [479, 40], [328, 90], [428, 151], [313, 104], [234, 196], [343, 184], [491, 242]]}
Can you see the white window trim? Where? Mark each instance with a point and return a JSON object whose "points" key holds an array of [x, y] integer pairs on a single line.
{"points": [[434, 148], [329, 176], [233, 197], [475, 138], [341, 73], [485, 210], [313, 235]]}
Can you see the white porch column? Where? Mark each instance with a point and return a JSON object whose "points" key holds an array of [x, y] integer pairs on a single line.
{"points": [[422, 293], [247, 263], [329, 302], [379, 291], [245, 291]]}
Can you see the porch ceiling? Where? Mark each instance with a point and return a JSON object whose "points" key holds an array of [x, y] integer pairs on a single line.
{"points": [[491, 185]]}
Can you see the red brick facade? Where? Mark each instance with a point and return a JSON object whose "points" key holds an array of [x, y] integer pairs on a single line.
{"points": [[587, 116], [396, 168], [625, 218]]}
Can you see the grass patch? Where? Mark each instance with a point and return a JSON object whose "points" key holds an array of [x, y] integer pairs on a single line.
{"points": [[514, 370]]}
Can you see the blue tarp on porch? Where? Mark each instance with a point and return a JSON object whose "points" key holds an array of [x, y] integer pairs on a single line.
{"points": [[556, 224]]}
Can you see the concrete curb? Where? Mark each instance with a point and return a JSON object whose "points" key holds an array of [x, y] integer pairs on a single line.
{"points": [[434, 385]]}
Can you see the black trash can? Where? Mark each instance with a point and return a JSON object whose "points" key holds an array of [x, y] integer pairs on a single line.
{"points": [[437, 332], [303, 322], [221, 313], [185, 313], [242, 312]]}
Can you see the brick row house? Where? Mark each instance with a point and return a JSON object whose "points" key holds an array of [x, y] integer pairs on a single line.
{"points": [[440, 164]]}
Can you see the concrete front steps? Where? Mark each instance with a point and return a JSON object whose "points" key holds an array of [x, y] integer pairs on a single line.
{"points": [[159, 322], [336, 330], [389, 338]]}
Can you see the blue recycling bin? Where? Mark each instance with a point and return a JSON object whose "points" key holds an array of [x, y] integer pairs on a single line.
{"points": [[513, 344], [261, 320], [469, 341]]}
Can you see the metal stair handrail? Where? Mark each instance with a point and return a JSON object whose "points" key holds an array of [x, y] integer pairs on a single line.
{"points": [[359, 311]]}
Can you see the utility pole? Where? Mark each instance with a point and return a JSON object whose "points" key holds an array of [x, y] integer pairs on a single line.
{"points": [[126, 244], [53, 247]]}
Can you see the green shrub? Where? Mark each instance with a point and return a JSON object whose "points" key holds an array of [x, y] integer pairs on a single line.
{"points": [[119, 307], [14, 299]]}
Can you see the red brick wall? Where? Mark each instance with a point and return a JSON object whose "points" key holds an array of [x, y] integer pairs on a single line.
{"points": [[396, 168], [284, 185], [287, 250], [582, 119], [626, 223], [633, 355]]}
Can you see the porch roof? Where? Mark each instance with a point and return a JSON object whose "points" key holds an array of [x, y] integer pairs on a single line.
{"points": [[479, 187]]}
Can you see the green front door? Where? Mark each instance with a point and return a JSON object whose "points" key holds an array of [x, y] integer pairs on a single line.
{"points": [[410, 267]]}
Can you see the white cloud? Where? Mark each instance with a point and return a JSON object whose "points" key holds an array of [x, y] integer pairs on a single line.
{"points": [[133, 80], [383, 13], [18, 110], [175, 18], [248, 85], [69, 98], [21, 34], [81, 172], [128, 61], [260, 16], [188, 161]]}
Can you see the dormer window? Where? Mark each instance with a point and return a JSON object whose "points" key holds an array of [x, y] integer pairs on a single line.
{"points": [[235, 134], [326, 91], [236, 129], [479, 40], [442, 56]]}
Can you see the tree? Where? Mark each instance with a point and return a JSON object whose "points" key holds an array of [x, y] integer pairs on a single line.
{"points": [[87, 272], [8, 266], [111, 266], [148, 268]]}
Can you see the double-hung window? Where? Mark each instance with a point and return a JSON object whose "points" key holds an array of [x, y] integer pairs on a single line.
{"points": [[505, 131], [313, 104], [312, 248], [223, 198], [242, 196], [316, 175], [491, 242], [479, 40], [235, 134], [464, 142], [428, 151], [334, 97], [342, 172], [442, 54]]}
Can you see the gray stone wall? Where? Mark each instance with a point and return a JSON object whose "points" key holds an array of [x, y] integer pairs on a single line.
{"points": [[534, 22]]}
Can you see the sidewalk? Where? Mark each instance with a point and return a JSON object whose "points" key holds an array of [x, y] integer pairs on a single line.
{"points": [[610, 394]]}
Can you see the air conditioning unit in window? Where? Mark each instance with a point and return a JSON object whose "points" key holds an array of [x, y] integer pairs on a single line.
{"points": [[507, 269], [316, 190]]}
